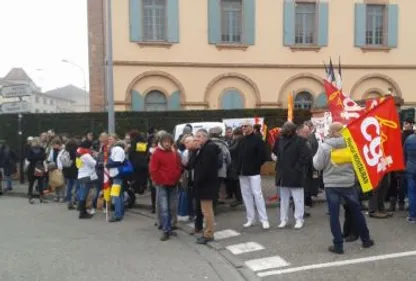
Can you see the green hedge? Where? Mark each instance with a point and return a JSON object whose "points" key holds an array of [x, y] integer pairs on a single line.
{"points": [[80, 123]]}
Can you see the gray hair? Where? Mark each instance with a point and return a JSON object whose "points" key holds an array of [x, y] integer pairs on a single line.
{"points": [[203, 132], [215, 132], [289, 129]]}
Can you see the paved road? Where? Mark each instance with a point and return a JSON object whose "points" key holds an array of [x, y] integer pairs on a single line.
{"points": [[47, 242], [303, 255]]}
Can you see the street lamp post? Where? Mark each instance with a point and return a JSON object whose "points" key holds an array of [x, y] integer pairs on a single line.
{"points": [[109, 68], [21, 148], [84, 78]]}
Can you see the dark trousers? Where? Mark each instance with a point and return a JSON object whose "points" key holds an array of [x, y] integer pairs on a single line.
{"points": [[376, 203], [40, 182], [233, 188], [153, 196], [349, 228], [190, 202], [350, 196], [397, 189]]}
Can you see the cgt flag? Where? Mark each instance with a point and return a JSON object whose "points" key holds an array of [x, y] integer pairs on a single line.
{"points": [[374, 140]]}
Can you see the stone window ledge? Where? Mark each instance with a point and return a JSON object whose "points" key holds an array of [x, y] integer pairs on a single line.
{"points": [[155, 44], [375, 49], [225, 46], [305, 48]]}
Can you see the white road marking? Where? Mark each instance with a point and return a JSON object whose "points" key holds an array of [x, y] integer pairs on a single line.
{"points": [[266, 263], [227, 233], [239, 249], [336, 263]]}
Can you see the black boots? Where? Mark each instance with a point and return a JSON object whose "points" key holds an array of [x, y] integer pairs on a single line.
{"points": [[83, 211]]}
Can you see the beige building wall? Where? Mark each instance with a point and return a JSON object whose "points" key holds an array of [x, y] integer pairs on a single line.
{"points": [[266, 72]]}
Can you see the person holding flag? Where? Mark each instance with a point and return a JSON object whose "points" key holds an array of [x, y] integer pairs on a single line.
{"points": [[340, 184]]}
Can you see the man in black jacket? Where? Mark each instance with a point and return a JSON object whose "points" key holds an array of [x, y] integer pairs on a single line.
{"points": [[251, 156], [205, 166]]}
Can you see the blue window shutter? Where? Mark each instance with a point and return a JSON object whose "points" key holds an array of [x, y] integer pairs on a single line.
{"points": [[249, 21], [232, 99], [137, 101], [135, 20], [289, 23], [393, 25], [323, 15], [174, 102], [173, 21], [214, 21], [321, 100], [360, 24]]}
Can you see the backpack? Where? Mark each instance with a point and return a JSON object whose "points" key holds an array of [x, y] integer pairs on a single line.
{"points": [[65, 159], [126, 169]]}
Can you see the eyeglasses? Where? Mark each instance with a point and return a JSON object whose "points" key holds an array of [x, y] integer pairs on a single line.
{"points": [[244, 126]]}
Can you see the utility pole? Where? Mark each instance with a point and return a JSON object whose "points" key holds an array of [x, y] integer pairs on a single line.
{"points": [[109, 68]]}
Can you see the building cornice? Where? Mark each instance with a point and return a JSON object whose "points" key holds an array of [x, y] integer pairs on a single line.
{"points": [[261, 65]]}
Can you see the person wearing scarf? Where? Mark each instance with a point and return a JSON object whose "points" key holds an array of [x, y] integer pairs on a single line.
{"points": [[87, 175], [116, 160]]}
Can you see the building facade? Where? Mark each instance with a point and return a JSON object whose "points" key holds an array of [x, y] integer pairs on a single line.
{"points": [[227, 54], [40, 102]]}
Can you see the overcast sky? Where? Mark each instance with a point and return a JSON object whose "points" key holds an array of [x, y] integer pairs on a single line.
{"points": [[37, 34]]}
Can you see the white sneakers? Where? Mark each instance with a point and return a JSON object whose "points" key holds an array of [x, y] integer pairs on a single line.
{"points": [[298, 225], [248, 224], [265, 225], [283, 224], [91, 211]]}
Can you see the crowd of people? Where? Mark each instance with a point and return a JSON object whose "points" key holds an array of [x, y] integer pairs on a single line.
{"points": [[185, 176]]}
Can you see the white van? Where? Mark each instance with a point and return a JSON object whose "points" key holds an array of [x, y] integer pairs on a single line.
{"points": [[177, 132]]}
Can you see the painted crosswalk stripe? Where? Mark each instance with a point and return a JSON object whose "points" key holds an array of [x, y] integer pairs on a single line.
{"points": [[242, 248], [266, 263], [227, 233]]}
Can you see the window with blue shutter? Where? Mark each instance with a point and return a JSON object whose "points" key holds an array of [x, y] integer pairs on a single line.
{"points": [[376, 25], [232, 99], [303, 100], [137, 101], [231, 21], [323, 22], [321, 101], [154, 21]]}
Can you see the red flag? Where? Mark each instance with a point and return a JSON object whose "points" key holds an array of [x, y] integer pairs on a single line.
{"points": [[374, 140], [273, 135], [342, 107]]}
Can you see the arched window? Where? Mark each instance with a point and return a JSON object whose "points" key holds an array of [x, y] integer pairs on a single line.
{"points": [[303, 100], [232, 99], [373, 95], [155, 101]]}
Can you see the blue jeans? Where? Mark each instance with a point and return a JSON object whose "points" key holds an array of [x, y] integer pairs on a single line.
{"points": [[70, 183], [8, 182], [118, 201], [166, 198], [350, 196], [84, 190], [411, 193]]}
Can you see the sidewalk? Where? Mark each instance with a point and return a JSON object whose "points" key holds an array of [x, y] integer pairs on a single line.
{"points": [[144, 202]]}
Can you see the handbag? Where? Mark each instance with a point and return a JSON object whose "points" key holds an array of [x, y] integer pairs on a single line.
{"points": [[126, 169], [39, 170]]}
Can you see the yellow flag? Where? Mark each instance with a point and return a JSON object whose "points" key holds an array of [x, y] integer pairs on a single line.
{"points": [[290, 105]]}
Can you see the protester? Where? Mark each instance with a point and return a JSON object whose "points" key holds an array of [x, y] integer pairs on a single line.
{"points": [[36, 170], [308, 184], [8, 160], [87, 175], [187, 130], [410, 160], [138, 156], [101, 157], [293, 156], [165, 171], [251, 156], [228, 136], [233, 182], [225, 158], [205, 166], [70, 171], [116, 160], [339, 180]]}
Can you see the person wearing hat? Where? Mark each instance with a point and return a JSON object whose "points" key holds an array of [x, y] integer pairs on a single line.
{"points": [[410, 175], [251, 156]]}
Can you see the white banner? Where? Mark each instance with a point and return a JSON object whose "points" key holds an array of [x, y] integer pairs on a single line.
{"points": [[236, 122], [321, 125]]}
